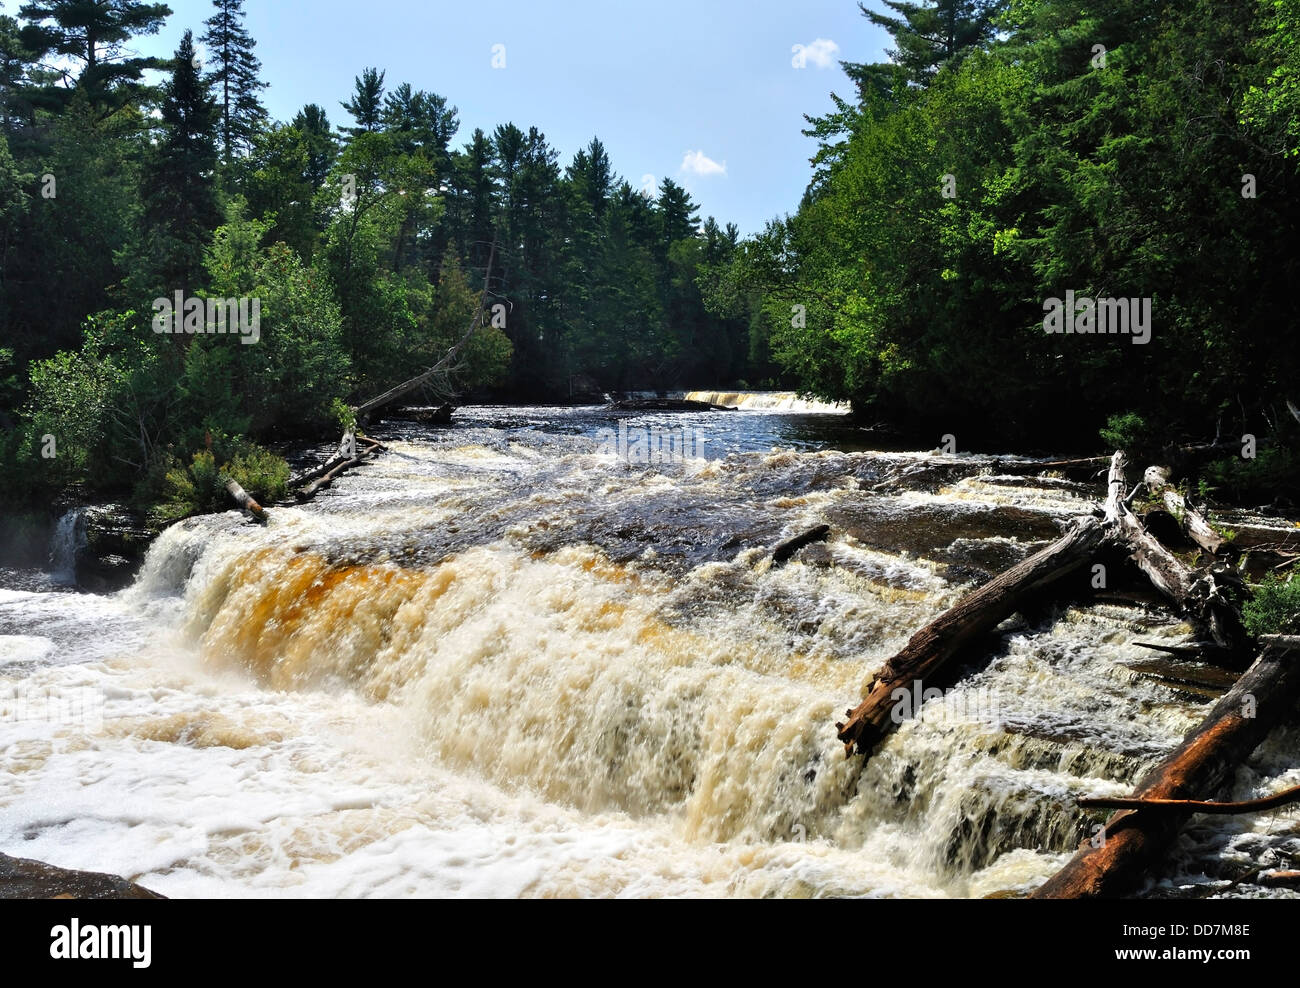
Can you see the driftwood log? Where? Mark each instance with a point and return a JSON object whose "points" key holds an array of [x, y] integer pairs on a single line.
{"points": [[1199, 596], [1283, 798], [976, 613], [1190, 519], [353, 451], [1134, 840], [245, 500]]}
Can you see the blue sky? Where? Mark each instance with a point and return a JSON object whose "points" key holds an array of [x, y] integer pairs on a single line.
{"points": [[675, 89], [654, 81]]}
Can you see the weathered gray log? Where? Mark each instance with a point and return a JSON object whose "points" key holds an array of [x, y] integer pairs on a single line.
{"points": [[353, 450], [978, 612], [245, 500], [1134, 841], [1198, 596], [1189, 519]]}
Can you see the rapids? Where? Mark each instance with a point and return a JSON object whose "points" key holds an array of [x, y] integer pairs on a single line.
{"points": [[503, 661]]}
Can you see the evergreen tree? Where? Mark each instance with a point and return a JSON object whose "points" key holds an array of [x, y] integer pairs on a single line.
{"points": [[94, 34], [928, 36], [15, 60], [367, 103], [235, 77], [180, 198], [322, 146]]}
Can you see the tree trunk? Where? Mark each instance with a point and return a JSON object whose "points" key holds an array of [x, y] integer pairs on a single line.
{"points": [[1191, 521], [1134, 841], [245, 500], [979, 611], [1197, 596]]}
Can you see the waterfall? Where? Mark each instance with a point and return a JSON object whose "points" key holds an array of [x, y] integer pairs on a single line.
{"points": [[502, 663], [767, 401], [69, 536]]}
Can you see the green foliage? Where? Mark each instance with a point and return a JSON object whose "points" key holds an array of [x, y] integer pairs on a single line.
{"points": [[180, 194], [1272, 469], [201, 486], [1082, 148], [1275, 607], [1127, 431], [234, 77]]}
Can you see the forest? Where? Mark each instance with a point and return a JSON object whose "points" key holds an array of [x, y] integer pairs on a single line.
{"points": [[1010, 154]]}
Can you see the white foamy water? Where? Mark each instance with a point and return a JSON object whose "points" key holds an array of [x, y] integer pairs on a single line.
{"points": [[497, 663]]}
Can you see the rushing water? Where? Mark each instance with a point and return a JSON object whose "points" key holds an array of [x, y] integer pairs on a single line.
{"points": [[69, 537], [533, 654]]}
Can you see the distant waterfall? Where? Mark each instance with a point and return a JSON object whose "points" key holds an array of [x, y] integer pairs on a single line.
{"points": [[767, 401], [69, 536]]}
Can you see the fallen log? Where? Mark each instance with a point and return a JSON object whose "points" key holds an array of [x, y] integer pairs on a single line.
{"points": [[326, 479], [1189, 519], [443, 366], [1134, 840], [1198, 596], [245, 500], [976, 613], [319, 471], [1280, 879], [1283, 798], [790, 546], [1192, 650]]}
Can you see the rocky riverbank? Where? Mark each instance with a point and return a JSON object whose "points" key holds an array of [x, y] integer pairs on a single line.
{"points": [[21, 878]]}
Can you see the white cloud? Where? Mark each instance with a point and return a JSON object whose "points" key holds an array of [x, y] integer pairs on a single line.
{"points": [[699, 163], [820, 53]]}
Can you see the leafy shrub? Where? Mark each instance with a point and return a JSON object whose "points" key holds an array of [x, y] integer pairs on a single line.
{"points": [[1128, 431], [1275, 607], [1273, 469], [201, 487]]}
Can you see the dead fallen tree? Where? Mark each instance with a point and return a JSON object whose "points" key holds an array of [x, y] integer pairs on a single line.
{"points": [[1133, 841], [1190, 519], [1197, 595], [976, 613], [436, 378], [245, 500], [437, 375], [339, 464], [1283, 798], [1201, 596]]}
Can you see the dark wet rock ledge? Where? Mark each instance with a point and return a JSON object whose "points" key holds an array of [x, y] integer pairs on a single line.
{"points": [[24, 879]]}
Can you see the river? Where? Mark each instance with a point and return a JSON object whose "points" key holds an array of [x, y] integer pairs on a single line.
{"points": [[537, 654]]}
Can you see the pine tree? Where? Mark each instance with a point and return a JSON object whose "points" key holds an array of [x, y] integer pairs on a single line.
{"points": [[928, 36], [235, 77], [322, 148], [95, 34], [15, 60], [367, 103], [181, 209]]}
